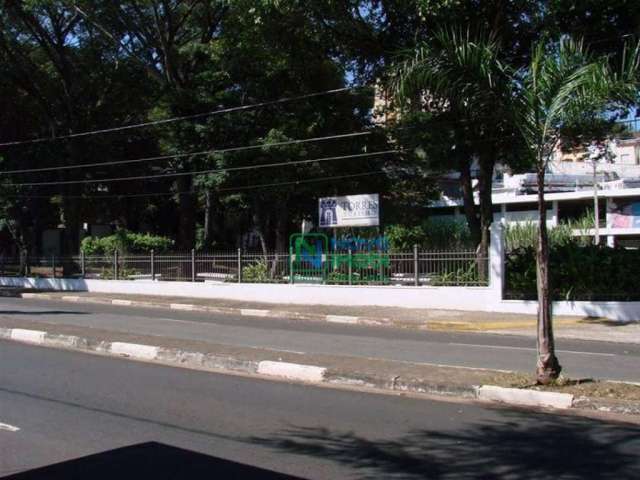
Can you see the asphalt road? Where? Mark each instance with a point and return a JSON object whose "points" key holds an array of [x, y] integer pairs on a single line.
{"points": [[580, 359], [175, 423]]}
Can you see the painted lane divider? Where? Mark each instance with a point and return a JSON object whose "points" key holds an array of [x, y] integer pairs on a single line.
{"points": [[8, 428], [117, 301], [254, 312], [341, 319], [71, 298], [181, 306], [292, 371], [529, 398], [31, 336], [135, 350], [250, 312]]}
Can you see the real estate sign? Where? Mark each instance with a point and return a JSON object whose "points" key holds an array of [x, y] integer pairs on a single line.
{"points": [[349, 211]]}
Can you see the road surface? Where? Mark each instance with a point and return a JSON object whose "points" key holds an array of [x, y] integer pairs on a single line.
{"points": [[579, 358], [57, 405]]}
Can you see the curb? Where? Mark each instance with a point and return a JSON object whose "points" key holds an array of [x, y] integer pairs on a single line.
{"points": [[437, 325], [309, 374], [245, 312]]}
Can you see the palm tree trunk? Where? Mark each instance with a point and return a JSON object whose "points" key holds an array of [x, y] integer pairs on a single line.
{"points": [[470, 210], [485, 182], [548, 368]]}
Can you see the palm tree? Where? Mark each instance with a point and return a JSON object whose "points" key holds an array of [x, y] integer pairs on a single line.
{"points": [[460, 73], [563, 86], [564, 89]]}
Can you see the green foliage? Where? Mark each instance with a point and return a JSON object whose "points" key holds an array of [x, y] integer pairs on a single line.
{"points": [[65, 72], [256, 272], [125, 242], [432, 234], [462, 276], [108, 273], [525, 235], [577, 272]]}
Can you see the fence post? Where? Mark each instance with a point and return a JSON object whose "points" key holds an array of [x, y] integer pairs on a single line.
{"points": [[416, 270], [153, 265], [350, 268], [115, 264], [193, 264], [83, 266], [53, 265], [291, 260], [239, 264]]}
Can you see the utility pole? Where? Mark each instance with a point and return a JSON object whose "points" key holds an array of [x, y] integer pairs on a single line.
{"points": [[596, 214], [597, 151]]}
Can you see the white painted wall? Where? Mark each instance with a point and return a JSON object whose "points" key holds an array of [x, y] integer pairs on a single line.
{"points": [[487, 299]]}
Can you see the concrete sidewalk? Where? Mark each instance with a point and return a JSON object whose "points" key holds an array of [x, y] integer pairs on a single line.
{"points": [[411, 318]]}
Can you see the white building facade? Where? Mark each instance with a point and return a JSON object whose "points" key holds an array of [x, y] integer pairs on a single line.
{"points": [[571, 188]]}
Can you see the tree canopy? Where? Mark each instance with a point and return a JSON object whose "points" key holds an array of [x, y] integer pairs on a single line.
{"points": [[68, 67]]}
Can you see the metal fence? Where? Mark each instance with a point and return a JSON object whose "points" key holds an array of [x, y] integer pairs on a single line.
{"points": [[416, 268]]}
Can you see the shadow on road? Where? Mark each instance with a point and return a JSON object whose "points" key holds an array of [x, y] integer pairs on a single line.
{"points": [[149, 460], [526, 446]]}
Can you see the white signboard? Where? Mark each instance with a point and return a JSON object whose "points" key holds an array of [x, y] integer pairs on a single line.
{"points": [[349, 211]]}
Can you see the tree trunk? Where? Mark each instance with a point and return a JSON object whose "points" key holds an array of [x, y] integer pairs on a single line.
{"points": [[186, 214], [259, 226], [485, 182], [71, 221], [207, 237], [548, 368], [282, 228], [468, 202]]}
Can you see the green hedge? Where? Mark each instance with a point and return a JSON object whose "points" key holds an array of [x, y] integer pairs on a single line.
{"points": [[125, 242], [577, 272], [432, 234]]}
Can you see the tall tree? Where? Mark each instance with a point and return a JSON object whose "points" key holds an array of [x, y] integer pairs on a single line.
{"points": [[172, 39], [461, 74], [74, 81], [563, 86]]}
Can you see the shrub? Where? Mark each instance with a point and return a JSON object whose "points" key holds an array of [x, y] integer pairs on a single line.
{"points": [[577, 272], [256, 272], [525, 235], [125, 242], [432, 234]]}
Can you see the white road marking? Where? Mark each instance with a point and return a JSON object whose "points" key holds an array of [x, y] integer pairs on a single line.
{"points": [[505, 347], [8, 428]]}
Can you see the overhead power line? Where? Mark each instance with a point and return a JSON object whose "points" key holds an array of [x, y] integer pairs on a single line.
{"points": [[184, 117], [203, 172], [189, 154], [225, 189]]}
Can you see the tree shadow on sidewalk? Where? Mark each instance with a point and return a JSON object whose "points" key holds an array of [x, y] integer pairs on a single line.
{"points": [[523, 446]]}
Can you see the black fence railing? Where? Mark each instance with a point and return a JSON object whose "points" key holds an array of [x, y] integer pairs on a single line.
{"points": [[417, 268]]}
